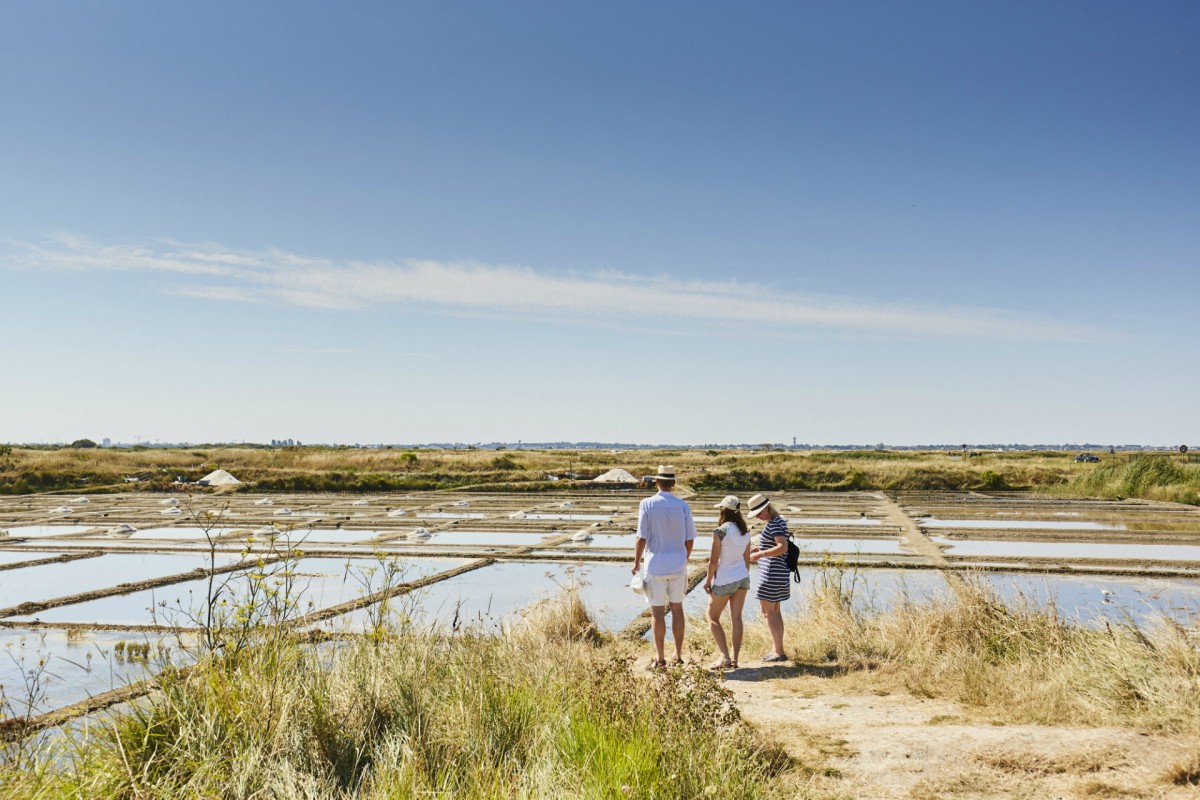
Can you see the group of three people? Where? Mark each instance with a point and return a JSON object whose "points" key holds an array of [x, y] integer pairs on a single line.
{"points": [[666, 533]]}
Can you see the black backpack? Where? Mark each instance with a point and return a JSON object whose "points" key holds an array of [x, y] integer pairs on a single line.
{"points": [[793, 558]]}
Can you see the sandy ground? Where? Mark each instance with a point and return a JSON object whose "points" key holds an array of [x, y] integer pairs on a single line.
{"points": [[865, 742]]}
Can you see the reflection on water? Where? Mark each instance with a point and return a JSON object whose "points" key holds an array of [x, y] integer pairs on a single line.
{"points": [[86, 664]]}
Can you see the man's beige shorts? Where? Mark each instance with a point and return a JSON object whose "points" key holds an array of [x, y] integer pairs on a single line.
{"points": [[663, 589]]}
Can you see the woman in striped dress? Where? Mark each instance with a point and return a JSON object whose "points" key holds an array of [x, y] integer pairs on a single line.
{"points": [[774, 579]]}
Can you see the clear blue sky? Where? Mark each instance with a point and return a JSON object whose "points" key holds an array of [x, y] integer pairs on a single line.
{"points": [[655, 222]]}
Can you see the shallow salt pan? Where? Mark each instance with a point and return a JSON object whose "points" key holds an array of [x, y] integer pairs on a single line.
{"points": [[34, 531], [316, 583], [498, 538], [1094, 598], [74, 669], [1029, 524], [35, 584], [483, 598], [1142, 552]]}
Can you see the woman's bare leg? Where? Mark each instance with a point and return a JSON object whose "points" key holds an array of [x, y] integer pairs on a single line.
{"points": [[774, 623], [716, 607], [736, 604]]}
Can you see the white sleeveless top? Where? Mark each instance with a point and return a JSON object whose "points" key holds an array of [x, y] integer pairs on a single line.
{"points": [[732, 565]]}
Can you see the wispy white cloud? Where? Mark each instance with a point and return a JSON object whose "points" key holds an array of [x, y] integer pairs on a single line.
{"points": [[276, 276], [319, 351]]}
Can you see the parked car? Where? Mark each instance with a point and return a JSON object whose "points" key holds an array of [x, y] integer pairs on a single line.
{"points": [[1087, 458]]}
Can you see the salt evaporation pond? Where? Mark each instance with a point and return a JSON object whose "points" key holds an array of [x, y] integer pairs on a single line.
{"points": [[481, 538], [40, 531], [1069, 550], [567, 517], [870, 589], [78, 667], [481, 599], [177, 534], [449, 515], [1090, 598], [879, 546], [318, 583], [35, 584], [17, 557], [1029, 524], [297, 537]]}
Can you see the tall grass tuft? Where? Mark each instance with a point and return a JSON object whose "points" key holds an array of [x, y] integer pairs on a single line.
{"points": [[1018, 659], [1154, 478], [542, 712]]}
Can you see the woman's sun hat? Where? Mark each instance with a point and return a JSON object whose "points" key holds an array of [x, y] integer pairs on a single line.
{"points": [[758, 504], [730, 502]]}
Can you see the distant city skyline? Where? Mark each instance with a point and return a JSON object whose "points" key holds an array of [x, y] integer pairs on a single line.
{"points": [[441, 222]]}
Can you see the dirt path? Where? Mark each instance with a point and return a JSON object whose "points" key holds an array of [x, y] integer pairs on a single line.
{"points": [[915, 541], [879, 746]]}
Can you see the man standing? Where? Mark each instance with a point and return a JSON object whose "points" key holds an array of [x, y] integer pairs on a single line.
{"points": [[666, 531]]}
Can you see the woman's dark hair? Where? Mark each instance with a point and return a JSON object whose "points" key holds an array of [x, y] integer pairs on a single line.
{"points": [[728, 515]]}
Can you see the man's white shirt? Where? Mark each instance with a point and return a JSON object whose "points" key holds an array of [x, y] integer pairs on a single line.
{"points": [[665, 522]]}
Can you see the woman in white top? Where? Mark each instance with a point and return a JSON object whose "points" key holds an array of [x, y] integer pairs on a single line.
{"points": [[728, 578]]}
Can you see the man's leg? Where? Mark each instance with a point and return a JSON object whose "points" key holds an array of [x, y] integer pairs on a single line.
{"points": [[677, 629], [659, 626]]}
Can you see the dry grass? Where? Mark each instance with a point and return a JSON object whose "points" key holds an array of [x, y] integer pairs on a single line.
{"points": [[1032, 763], [1186, 772], [1017, 662], [356, 470], [540, 712]]}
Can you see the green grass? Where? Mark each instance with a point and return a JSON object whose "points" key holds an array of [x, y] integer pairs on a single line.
{"points": [[1150, 477], [544, 711]]}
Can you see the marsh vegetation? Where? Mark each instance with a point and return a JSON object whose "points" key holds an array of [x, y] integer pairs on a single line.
{"points": [[293, 469]]}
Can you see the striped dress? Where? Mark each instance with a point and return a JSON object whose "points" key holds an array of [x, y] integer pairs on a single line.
{"points": [[774, 580]]}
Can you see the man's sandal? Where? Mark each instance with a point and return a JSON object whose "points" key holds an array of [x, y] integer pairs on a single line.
{"points": [[657, 665]]}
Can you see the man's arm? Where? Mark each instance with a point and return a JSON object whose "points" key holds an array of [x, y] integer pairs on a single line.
{"points": [[637, 554], [641, 541], [689, 529]]}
